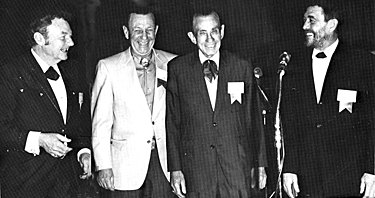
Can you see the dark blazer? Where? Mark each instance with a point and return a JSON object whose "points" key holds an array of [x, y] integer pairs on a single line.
{"points": [[201, 141], [27, 103], [327, 149]]}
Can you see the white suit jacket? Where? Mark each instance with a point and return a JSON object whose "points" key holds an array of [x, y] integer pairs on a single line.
{"points": [[122, 124]]}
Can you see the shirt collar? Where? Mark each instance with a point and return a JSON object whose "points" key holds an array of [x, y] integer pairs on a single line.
{"points": [[328, 51], [43, 65], [214, 58], [137, 59]]}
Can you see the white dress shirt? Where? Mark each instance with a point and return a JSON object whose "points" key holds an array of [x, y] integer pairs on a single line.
{"points": [[211, 86], [320, 67]]}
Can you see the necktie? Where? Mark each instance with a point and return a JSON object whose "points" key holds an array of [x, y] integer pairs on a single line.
{"points": [[321, 55], [52, 74], [210, 69]]}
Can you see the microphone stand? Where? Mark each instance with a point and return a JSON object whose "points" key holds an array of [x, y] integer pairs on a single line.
{"points": [[278, 132], [267, 107]]}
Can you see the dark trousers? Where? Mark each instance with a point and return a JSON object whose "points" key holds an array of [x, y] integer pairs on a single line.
{"points": [[223, 189], [155, 185], [49, 188], [49, 181]]}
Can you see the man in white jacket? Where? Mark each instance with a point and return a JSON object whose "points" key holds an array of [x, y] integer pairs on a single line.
{"points": [[128, 115]]}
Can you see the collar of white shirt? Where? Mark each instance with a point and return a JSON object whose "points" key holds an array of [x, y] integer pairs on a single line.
{"points": [[43, 65], [328, 51], [214, 58]]}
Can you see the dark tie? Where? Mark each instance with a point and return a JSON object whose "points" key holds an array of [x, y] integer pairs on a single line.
{"points": [[321, 55], [210, 69], [52, 74]]}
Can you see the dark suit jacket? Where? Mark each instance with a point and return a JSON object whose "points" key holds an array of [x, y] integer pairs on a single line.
{"points": [[201, 141], [327, 149], [27, 103]]}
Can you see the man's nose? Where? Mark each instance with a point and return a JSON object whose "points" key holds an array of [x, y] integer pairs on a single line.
{"points": [[306, 25], [70, 41], [144, 35], [210, 37]]}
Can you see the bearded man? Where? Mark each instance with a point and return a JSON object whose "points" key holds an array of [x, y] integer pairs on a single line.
{"points": [[327, 111]]}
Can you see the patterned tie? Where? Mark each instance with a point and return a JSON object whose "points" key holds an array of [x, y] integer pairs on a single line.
{"points": [[52, 74], [321, 55], [210, 69]]}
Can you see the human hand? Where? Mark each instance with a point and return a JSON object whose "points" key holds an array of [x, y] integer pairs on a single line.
{"points": [[262, 177], [368, 183], [178, 184], [85, 162], [54, 144], [291, 184], [106, 179]]}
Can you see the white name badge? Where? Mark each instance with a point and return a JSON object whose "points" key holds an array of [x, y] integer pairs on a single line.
{"points": [[235, 90], [346, 98]]}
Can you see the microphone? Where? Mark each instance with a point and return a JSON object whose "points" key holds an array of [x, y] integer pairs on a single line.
{"points": [[284, 60], [258, 72]]}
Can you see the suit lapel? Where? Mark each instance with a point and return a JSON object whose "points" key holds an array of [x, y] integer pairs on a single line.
{"points": [[41, 80], [224, 73], [69, 90], [199, 81], [309, 80], [129, 71]]}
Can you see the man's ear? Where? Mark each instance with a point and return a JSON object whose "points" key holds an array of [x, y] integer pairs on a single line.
{"points": [[222, 31], [39, 38], [332, 24], [126, 31], [192, 37]]}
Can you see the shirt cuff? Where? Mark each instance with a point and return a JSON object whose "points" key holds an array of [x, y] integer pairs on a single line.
{"points": [[32, 143], [82, 151]]}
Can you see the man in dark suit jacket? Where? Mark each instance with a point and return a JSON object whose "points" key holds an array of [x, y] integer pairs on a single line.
{"points": [[213, 124], [40, 119], [328, 114]]}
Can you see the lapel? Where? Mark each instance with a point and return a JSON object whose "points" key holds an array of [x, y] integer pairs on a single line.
{"points": [[129, 72], [70, 93], [38, 76], [333, 72], [198, 81], [224, 74], [309, 79]]}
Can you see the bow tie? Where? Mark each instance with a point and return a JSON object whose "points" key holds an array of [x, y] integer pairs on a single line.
{"points": [[210, 69], [321, 55], [52, 74]]}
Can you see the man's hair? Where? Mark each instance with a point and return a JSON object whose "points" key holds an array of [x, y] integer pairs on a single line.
{"points": [[330, 11], [141, 11], [204, 14], [41, 23]]}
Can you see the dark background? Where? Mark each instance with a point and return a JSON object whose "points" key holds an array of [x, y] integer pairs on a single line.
{"points": [[258, 30]]}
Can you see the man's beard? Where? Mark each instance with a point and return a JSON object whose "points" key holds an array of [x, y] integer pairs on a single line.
{"points": [[317, 40]]}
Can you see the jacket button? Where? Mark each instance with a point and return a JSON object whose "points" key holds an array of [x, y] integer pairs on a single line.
{"points": [[214, 124], [153, 122], [212, 147], [148, 141], [318, 125]]}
